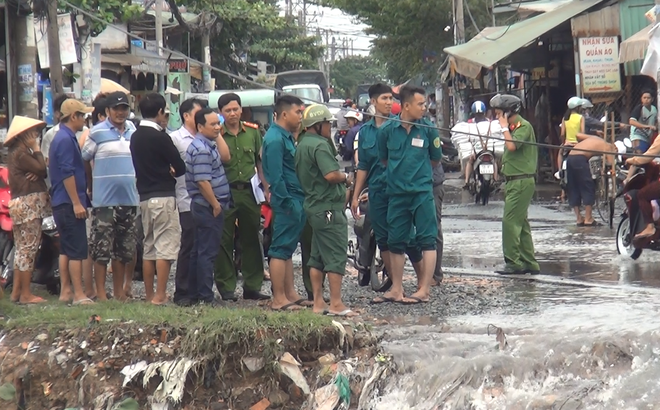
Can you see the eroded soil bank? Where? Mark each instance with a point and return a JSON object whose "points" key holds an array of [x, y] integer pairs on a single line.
{"points": [[116, 364]]}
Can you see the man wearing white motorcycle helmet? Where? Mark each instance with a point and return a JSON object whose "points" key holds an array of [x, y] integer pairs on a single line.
{"points": [[354, 119], [478, 112]]}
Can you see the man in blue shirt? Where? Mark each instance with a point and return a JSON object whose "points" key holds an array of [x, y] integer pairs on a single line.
{"points": [[286, 200], [114, 196], [69, 200], [209, 192]]}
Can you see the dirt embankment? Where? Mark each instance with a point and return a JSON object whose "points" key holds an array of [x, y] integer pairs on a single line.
{"points": [[126, 366]]}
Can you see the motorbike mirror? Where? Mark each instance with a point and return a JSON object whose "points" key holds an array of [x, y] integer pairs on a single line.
{"points": [[627, 142]]}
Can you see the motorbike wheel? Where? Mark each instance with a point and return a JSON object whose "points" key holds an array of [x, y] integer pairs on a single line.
{"points": [[624, 245], [380, 280], [485, 192]]}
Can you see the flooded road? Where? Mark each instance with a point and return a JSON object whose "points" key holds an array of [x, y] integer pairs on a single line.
{"points": [[588, 337]]}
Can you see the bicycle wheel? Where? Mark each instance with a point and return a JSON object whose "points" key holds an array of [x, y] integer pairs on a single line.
{"points": [[603, 200]]}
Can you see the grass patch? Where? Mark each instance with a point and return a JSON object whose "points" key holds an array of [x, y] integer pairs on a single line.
{"points": [[219, 335]]}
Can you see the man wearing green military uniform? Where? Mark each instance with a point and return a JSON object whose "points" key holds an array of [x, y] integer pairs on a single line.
{"points": [[325, 201], [371, 173], [519, 169], [244, 141], [286, 200], [410, 148]]}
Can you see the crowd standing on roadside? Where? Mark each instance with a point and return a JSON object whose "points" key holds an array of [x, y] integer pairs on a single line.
{"points": [[194, 193]]}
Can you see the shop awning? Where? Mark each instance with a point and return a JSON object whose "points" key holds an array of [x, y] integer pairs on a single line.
{"points": [[500, 43], [121, 59], [634, 48]]}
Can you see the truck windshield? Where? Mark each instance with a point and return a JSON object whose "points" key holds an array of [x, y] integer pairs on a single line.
{"points": [[308, 95], [363, 100]]}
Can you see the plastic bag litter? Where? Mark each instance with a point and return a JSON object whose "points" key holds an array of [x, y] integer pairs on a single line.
{"points": [[173, 372], [327, 397], [291, 368]]}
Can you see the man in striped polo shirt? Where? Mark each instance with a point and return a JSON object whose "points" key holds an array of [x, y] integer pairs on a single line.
{"points": [[114, 194], [208, 187]]}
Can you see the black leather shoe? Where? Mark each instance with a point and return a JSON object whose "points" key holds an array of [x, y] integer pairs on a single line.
{"points": [[184, 302], [254, 295], [229, 297]]}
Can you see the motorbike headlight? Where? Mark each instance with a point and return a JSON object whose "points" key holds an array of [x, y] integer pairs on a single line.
{"points": [[48, 224]]}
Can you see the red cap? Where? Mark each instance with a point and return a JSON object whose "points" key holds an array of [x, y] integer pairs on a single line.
{"points": [[396, 108]]}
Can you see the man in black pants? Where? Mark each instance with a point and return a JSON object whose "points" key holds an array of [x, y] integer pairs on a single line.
{"points": [[182, 139]]}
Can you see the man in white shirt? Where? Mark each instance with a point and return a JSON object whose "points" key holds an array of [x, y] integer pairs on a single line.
{"points": [[182, 139]]}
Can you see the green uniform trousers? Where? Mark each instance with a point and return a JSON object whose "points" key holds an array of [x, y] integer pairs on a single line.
{"points": [[329, 241], [248, 213], [306, 250], [517, 244], [415, 211]]}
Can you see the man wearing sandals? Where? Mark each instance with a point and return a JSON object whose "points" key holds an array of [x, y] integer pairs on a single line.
{"points": [[325, 201]]}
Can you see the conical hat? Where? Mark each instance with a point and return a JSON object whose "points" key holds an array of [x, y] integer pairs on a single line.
{"points": [[21, 124]]}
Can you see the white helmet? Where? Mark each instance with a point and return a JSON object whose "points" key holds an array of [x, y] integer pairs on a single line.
{"points": [[354, 114], [584, 103], [574, 102]]}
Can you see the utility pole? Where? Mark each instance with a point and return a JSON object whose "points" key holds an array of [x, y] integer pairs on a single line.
{"points": [[497, 68], [352, 49], [459, 38], [159, 40], [319, 38], [54, 58], [333, 49]]}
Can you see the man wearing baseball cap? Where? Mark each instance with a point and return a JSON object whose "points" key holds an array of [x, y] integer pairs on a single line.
{"points": [[69, 199], [114, 194]]}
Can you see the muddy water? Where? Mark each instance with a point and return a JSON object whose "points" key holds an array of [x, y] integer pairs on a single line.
{"points": [[591, 339], [587, 348]]}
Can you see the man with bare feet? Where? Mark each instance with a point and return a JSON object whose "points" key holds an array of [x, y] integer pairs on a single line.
{"points": [[286, 200], [371, 172], [69, 201], [410, 148], [325, 201]]}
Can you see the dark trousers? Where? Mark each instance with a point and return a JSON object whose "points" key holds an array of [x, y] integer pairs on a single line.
{"points": [[644, 198], [183, 261], [438, 196], [206, 245]]}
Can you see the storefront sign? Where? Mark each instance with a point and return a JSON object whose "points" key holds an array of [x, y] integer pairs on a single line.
{"points": [[96, 69], [68, 53], [178, 65], [26, 83], [599, 64]]}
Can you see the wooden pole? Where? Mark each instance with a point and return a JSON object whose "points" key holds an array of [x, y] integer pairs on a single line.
{"points": [[54, 58], [613, 174]]}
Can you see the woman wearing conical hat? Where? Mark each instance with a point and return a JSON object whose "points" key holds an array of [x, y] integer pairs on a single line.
{"points": [[30, 201]]}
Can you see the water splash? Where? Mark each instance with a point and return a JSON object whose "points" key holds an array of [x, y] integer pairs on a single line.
{"points": [[586, 348]]}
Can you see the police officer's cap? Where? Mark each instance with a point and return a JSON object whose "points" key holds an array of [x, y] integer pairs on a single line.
{"points": [[316, 113], [506, 102]]}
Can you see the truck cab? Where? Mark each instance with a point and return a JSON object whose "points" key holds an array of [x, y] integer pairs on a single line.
{"points": [[309, 93]]}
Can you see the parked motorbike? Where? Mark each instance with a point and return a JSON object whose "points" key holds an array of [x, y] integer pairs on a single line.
{"points": [[46, 269], [632, 222], [365, 254], [482, 177], [339, 136]]}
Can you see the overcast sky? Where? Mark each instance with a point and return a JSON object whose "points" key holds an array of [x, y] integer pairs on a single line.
{"points": [[340, 24]]}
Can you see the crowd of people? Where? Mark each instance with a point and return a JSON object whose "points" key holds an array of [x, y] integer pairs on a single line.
{"points": [[199, 189]]}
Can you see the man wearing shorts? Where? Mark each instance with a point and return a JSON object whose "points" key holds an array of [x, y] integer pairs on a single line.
{"points": [[325, 201], [69, 200], [157, 162], [114, 194]]}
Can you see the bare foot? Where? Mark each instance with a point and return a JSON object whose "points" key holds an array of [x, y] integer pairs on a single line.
{"points": [[128, 291], [266, 276], [320, 307], [648, 231], [397, 297], [83, 301], [159, 300], [66, 296]]}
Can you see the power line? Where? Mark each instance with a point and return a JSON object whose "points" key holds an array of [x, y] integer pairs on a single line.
{"points": [[179, 54], [467, 6]]}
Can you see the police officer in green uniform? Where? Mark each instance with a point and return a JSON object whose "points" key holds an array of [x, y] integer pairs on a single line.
{"points": [[519, 169], [325, 200], [371, 173], [286, 200], [411, 148], [244, 141]]}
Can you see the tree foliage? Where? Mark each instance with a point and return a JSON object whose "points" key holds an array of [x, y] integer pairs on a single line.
{"points": [[410, 34], [239, 26], [346, 74]]}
